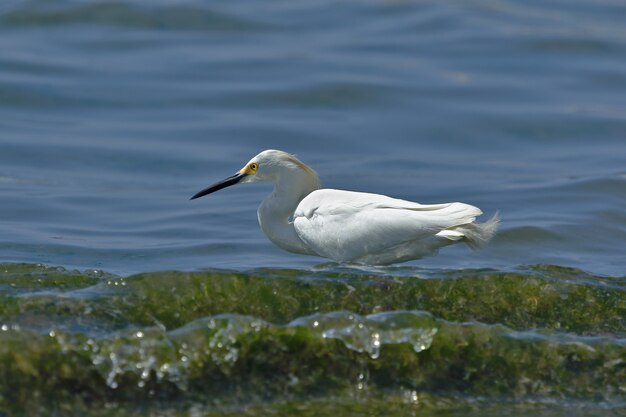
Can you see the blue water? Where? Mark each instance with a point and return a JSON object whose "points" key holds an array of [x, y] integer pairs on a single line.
{"points": [[112, 114]]}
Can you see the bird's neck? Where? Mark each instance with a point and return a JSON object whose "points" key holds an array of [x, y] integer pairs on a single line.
{"points": [[276, 211]]}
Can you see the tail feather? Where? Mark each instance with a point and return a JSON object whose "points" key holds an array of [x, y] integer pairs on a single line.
{"points": [[478, 234]]}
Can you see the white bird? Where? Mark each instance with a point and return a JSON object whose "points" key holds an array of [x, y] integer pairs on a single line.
{"points": [[349, 226]]}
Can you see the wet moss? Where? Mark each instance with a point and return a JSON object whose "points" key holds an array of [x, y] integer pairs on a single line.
{"points": [[513, 299], [516, 300], [181, 338], [285, 362]]}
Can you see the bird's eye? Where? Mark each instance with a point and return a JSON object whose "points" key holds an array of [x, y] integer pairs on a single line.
{"points": [[254, 166]]}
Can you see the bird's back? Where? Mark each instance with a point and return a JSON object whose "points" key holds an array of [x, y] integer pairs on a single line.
{"points": [[371, 228]]}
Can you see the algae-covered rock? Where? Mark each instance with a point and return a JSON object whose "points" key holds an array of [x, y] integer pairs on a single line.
{"points": [[74, 341]]}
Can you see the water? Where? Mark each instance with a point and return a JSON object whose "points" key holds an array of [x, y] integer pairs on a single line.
{"points": [[112, 114]]}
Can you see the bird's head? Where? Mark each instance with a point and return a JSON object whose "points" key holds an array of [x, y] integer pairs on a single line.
{"points": [[270, 165]]}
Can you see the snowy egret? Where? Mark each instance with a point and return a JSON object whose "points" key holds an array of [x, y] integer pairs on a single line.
{"points": [[349, 226]]}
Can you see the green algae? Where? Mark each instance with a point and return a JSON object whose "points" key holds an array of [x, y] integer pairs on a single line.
{"points": [[39, 277], [73, 341], [514, 299]]}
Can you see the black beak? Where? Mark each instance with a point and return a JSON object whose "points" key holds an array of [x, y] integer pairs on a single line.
{"points": [[220, 184]]}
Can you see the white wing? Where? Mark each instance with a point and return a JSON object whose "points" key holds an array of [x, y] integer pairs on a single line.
{"points": [[373, 228]]}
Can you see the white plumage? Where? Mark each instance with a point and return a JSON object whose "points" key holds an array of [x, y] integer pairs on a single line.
{"points": [[349, 226]]}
